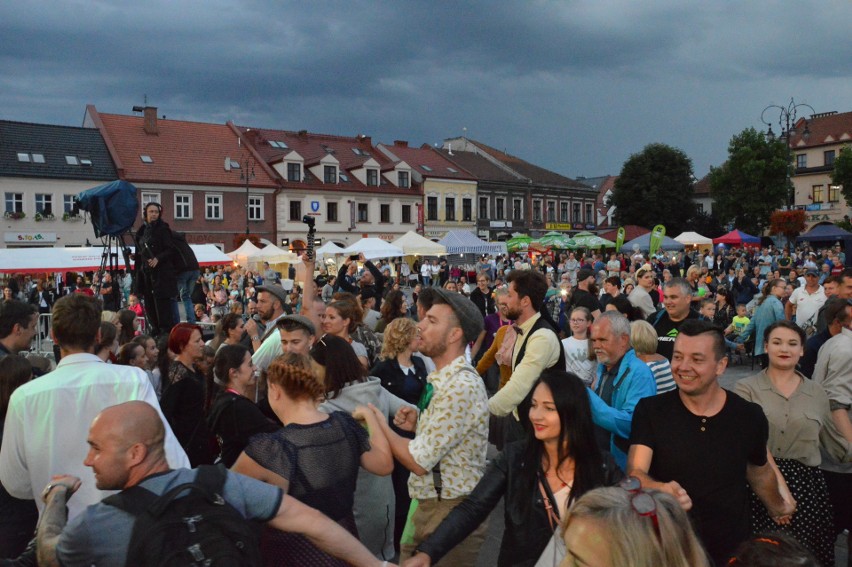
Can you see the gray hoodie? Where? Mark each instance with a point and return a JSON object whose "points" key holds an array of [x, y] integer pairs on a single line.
{"points": [[374, 497]]}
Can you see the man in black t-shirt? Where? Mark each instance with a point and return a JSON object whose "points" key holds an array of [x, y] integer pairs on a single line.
{"points": [[585, 294], [702, 444], [677, 298]]}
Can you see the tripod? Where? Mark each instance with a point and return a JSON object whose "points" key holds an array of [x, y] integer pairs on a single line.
{"points": [[112, 243]]}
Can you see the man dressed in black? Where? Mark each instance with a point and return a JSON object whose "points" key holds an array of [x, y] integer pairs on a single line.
{"points": [[155, 279]]}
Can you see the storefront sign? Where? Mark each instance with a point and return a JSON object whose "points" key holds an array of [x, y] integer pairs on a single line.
{"points": [[30, 237], [557, 226]]}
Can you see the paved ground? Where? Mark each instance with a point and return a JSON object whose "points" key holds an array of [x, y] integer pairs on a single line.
{"points": [[490, 551]]}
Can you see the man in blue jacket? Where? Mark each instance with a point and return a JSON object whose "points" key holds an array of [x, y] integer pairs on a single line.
{"points": [[622, 380]]}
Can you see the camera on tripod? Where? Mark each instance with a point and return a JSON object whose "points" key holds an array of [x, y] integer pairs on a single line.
{"points": [[309, 220]]}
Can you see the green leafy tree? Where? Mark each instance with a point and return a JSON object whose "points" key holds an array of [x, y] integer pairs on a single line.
{"points": [[753, 182], [655, 187], [842, 174]]}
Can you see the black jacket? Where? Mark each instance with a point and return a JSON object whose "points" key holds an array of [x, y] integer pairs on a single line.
{"points": [[527, 530], [155, 241]]}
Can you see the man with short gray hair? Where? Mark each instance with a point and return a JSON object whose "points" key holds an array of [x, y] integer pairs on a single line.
{"points": [[677, 298], [622, 380]]}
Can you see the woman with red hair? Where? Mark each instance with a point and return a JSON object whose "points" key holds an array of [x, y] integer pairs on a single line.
{"points": [[184, 398]]}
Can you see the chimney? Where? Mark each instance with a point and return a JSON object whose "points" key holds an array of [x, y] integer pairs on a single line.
{"points": [[303, 134], [400, 143], [366, 140], [150, 114]]}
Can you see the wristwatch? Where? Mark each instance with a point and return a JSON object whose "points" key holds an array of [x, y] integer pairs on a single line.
{"points": [[46, 492], [255, 338]]}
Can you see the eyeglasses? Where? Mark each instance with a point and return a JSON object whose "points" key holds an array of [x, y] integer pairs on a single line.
{"points": [[578, 321], [642, 502]]}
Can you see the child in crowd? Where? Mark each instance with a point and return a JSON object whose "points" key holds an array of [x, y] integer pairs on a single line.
{"points": [[708, 309], [738, 323]]}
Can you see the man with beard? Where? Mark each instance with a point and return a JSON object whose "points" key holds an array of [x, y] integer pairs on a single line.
{"points": [[447, 454], [586, 293], [536, 348], [270, 307]]}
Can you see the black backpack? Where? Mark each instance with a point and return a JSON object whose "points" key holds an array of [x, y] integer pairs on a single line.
{"points": [[191, 524], [184, 259]]}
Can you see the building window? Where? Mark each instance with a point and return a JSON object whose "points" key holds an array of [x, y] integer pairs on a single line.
{"points": [[402, 176], [384, 213], [432, 208], [829, 158], [213, 207], [294, 172], [700, 207], [563, 212], [68, 203], [817, 194], [363, 212], [14, 202], [467, 210], [551, 211], [450, 208], [833, 193], [406, 214], [150, 198], [295, 210], [577, 212], [331, 211], [499, 209], [801, 161], [373, 177], [183, 206], [536, 211], [589, 218], [330, 174], [483, 208], [517, 209], [27, 157], [44, 203], [255, 205]]}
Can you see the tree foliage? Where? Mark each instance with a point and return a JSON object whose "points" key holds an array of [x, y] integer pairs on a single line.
{"points": [[753, 182], [788, 223], [706, 225], [655, 187], [842, 174]]}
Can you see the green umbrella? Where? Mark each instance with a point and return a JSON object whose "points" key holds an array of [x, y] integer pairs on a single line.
{"points": [[518, 243], [589, 240], [557, 240]]}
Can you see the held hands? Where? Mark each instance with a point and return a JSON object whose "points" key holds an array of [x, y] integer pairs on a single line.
{"points": [[783, 516], [406, 418], [419, 560], [679, 493], [71, 484]]}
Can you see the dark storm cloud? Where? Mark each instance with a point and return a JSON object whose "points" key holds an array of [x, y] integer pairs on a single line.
{"points": [[574, 86]]}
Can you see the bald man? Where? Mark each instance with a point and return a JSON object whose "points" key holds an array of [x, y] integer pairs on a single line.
{"points": [[126, 450]]}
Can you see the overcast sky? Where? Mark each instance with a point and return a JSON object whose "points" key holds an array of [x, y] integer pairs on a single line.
{"points": [[576, 87]]}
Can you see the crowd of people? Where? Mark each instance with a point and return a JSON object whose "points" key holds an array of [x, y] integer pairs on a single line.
{"points": [[352, 412]]}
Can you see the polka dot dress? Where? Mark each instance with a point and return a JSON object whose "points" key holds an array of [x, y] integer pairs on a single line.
{"points": [[813, 522]]}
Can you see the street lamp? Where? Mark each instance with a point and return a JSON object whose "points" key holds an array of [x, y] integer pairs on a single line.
{"points": [[247, 174], [787, 116]]}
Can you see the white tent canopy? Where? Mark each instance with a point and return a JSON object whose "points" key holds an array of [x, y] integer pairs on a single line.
{"points": [[465, 242], [275, 255], [328, 250], [690, 238], [415, 245], [39, 260], [242, 254], [374, 248]]}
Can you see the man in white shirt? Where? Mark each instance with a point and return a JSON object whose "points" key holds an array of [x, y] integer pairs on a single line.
{"points": [[47, 420], [805, 301]]}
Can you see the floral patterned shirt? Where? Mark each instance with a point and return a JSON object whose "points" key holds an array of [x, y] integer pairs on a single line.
{"points": [[452, 431]]}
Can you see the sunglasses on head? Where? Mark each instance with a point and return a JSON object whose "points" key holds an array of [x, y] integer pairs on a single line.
{"points": [[641, 502]]}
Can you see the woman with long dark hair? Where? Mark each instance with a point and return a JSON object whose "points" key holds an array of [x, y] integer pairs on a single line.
{"points": [[539, 477], [233, 418], [127, 318], [184, 394], [229, 331], [393, 307]]}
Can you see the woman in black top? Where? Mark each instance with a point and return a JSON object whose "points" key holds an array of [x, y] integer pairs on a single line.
{"points": [[155, 278], [233, 418], [184, 395]]}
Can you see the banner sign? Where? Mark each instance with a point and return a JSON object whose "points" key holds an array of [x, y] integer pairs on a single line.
{"points": [[656, 238], [619, 240]]}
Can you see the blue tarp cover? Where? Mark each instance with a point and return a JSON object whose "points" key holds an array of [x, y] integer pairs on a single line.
{"points": [[113, 207]]}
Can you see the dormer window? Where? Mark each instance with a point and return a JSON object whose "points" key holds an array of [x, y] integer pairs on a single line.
{"points": [[27, 157], [403, 180], [294, 172], [329, 174], [373, 177]]}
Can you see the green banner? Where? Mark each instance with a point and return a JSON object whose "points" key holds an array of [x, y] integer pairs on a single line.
{"points": [[619, 240], [656, 239]]}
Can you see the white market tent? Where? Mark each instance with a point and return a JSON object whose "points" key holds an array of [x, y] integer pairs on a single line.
{"points": [[242, 254], [328, 250], [465, 242], [39, 260], [693, 238], [275, 255], [374, 248], [415, 245]]}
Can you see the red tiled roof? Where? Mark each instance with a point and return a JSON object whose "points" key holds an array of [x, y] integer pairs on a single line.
{"points": [[426, 155], [701, 187], [631, 231], [826, 129], [313, 147], [182, 152], [479, 167]]}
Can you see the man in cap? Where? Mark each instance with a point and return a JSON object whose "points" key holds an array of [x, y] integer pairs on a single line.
{"points": [[805, 301], [270, 306], [585, 294], [447, 454], [296, 333]]}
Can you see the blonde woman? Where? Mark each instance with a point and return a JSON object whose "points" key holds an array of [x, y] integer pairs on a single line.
{"points": [[643, 337]]}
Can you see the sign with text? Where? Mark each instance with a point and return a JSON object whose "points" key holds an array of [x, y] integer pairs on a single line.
{"points": [[557, 226], [30, 237]]}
